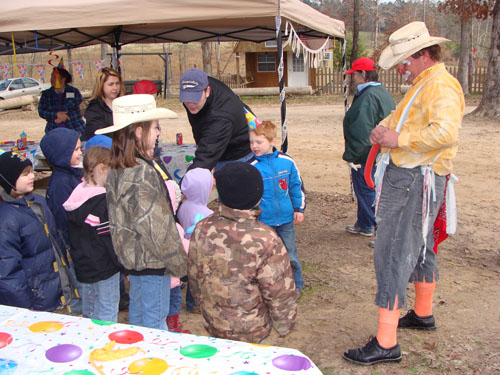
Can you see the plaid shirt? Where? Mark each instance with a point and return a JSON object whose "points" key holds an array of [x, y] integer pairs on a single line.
{"points": [[69, 101]]}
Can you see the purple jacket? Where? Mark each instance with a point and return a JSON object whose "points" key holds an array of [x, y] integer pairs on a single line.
{"points": [[196, 186]]}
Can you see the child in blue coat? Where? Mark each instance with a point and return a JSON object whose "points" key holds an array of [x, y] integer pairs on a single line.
{"points": [[284, 199], [28, 278]]}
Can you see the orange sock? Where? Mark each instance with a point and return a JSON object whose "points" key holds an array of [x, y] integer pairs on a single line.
{"points": [[388, 326], [423, 298]]}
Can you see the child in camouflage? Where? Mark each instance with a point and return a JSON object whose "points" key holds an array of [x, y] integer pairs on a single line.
{"points": [[238, 268]]}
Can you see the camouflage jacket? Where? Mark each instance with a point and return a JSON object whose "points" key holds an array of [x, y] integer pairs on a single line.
{"points": [[240, 275], [145, 238]]}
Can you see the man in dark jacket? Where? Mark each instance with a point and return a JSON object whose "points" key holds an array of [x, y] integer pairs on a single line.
{"points": [[217, 119]]}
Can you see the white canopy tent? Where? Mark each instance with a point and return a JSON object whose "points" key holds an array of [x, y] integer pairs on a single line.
{"points": [[37, 26]]}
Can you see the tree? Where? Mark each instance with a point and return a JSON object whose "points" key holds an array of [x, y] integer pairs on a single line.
{"points": [[206, 52], [490, 102]]}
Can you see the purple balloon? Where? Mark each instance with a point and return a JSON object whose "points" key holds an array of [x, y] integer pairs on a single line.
{"points": [[167, 159], [292, 362], [63, 353]]}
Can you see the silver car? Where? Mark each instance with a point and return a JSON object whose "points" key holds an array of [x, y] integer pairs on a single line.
{"points": [[14, 87]]}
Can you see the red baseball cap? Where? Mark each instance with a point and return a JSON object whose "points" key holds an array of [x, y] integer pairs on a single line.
{"points": [[145, 87], [363, 63]]}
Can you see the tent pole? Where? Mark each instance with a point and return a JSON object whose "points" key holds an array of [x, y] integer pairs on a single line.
{"points": [[346, 107], [284, 136]]}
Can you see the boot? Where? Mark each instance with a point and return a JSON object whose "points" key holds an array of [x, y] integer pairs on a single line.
{"points": [[174, 325]]}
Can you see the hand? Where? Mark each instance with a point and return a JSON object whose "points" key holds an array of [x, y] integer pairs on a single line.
{"points": [[353, 166], [298, 217], [384, 137], [61, 117]]}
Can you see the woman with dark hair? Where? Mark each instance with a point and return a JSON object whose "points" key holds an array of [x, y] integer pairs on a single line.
{"points": [[371, 104], [108, 87], [60, 105]]}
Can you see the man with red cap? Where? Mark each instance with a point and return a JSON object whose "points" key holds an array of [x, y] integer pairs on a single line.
{"points": [[371, 104]]}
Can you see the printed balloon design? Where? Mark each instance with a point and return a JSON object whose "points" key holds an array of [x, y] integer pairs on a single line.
{"points": [[244, 373], [126, 337], [7, 366], [5, 339], [79, 372], [292, 362], [148, 366], [63, 353], [45, 327], [198, 351], [102, 322]]}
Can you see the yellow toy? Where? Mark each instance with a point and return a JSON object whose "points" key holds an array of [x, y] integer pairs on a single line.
{"points": [[107, 354]]}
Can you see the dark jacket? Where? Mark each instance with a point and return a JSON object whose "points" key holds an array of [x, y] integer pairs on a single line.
{"points": [[368, 108], [220, 129], [58, 148], [91, 246], [97, 116], [27, 275]]}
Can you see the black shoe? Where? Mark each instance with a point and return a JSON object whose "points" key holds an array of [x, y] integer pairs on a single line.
{"points": [[373, 353], [123, 305], [413, 321]]}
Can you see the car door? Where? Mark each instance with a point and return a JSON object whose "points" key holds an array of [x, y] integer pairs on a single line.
{"points": [[31, 87], [16, 88]]}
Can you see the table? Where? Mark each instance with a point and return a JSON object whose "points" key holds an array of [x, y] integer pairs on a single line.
{"points": [[29, 152], [34, 342], [177, 158]]}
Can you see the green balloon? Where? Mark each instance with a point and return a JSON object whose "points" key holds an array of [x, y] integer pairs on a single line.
{"points": [[79, 372], [102, 322], [189, 158], [198, 351]]}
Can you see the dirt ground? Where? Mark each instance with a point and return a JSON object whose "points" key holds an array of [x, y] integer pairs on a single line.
{"points": [[337, 310]]}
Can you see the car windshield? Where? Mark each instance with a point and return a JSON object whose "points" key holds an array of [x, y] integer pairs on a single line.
{"points": [[4, 84]]}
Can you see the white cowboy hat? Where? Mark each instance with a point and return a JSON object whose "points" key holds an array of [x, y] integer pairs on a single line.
{"points": [[405, 41], [130, 109]]}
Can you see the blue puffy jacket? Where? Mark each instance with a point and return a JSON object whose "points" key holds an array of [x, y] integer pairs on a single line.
{"points": [[57, 147], [27, 275], [284, 191]]}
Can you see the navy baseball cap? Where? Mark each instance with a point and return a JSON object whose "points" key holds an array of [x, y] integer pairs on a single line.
{"points": [[192, 84]]}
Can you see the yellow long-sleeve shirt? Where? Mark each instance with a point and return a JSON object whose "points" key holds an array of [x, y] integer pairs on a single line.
{"points": [[431, 126]]}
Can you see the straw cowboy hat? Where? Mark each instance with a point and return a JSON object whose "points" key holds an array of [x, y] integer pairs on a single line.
{"points": [[130, 109], [405, 41]]}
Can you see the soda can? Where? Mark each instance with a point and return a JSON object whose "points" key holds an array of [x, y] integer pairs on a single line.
{"points": [[20, 144], [178, 138]]}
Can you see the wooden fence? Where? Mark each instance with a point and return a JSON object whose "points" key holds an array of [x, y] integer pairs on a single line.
{"points": [[331, 81]]}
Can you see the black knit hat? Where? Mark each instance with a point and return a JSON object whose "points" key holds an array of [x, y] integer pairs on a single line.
{"points": [[239, 185], [11, 167]]}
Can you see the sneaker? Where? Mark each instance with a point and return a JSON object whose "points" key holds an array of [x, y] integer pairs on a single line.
{"points": [[354, 229], [372, 244], [373, 353], [413, 321]]}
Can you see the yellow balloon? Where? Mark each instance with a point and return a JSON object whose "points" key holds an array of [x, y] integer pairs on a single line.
{"points": [[45, 327], [148, 366]]}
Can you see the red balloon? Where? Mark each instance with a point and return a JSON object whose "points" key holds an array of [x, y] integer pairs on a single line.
{"points": [[5, 339], [126, 337]]}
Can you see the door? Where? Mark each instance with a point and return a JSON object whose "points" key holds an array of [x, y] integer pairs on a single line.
{"points": [[298, 75]]}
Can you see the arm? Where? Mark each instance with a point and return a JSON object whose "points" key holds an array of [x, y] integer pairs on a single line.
{"points": [[296, 190], [14, 289], [45, 109], [212, 144], [274, 275], [195, 267]]}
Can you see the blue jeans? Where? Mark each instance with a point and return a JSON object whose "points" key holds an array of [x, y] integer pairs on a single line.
{"points": [[175, 301], [366, 197], [287, 234], [149, 301], [100, 300], [76, 303], [190, 303], [220, 164]]}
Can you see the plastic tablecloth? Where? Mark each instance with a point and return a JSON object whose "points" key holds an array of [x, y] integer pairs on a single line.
{"points": [[34, 342], [28, 152], [177, 158]]}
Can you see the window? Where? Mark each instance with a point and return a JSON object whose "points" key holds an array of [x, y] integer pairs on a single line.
{"points": [[16, 85], [271, 44], [266, 62], [28, 82], [298, 63]]}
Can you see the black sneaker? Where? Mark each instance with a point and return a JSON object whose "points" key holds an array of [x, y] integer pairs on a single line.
{"points": [[372, 353], [413, 321]]}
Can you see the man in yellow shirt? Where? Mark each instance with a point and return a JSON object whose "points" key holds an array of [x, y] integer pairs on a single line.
{"points": [[420, 139]]}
